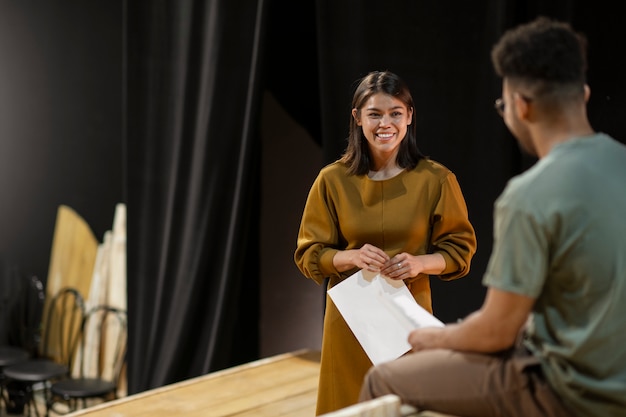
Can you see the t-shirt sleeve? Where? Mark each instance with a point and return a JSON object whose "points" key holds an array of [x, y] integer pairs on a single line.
{"points": [[452, 234], [518, 261]]}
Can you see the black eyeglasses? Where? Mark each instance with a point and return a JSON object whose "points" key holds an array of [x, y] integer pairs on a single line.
{"points": [[499, 106]]}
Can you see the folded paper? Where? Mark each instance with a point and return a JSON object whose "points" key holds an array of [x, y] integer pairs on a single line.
{"points": [[381, 313]]}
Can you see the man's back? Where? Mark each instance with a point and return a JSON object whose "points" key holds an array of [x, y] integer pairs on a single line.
{"points": [[571, 207]]}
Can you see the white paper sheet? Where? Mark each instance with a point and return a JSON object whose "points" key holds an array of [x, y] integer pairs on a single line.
{"points": [[381, 313]]}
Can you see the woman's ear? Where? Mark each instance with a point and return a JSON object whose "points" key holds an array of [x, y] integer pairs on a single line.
{"points": [[355, 114]]}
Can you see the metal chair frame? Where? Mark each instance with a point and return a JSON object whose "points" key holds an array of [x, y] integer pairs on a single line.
{"points": [[99, 356], [64, 315], [23, 321]]}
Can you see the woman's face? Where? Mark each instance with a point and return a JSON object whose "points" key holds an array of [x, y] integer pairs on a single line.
{"points": [[384, 120]]}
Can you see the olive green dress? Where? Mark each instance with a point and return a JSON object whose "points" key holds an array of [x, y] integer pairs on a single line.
{"points": [[420, 211]]}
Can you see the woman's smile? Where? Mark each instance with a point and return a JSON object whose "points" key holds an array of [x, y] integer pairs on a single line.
{"points": [[385, 136]]}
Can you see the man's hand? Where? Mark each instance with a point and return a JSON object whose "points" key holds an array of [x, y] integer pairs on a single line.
{"points": [[491, 329], [426, 338]]}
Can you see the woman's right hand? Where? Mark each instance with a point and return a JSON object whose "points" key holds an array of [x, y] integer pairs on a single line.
{"points": [[368, 257]]}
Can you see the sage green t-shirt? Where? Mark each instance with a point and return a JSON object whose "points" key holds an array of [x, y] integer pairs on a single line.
{"points": [[560, 237]]}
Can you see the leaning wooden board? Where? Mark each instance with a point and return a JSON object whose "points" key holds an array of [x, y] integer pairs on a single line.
{"points": [[108, 287], [117, 295], [73, 255], [281, 385]]}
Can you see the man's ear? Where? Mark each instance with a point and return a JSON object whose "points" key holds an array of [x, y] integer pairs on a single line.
{"points": [[521, 107], [587, 93]]}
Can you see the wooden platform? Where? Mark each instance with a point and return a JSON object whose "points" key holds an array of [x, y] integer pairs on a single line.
{"points": [[282, 385]]}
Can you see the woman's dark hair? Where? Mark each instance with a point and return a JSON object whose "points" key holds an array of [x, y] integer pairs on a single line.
{"points": [[357, 156]]}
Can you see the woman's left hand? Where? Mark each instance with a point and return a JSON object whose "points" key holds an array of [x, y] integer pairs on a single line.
{"points": [[405, 265], [401, 266]]}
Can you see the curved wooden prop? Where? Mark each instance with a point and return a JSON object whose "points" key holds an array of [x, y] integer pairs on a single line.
{"points": [[72, 258]]}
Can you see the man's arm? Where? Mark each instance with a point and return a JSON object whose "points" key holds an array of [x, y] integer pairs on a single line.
{"points": [[492, 328]]}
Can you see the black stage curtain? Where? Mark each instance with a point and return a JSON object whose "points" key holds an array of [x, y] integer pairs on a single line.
{"points": [[192, 108], [195, 70]]}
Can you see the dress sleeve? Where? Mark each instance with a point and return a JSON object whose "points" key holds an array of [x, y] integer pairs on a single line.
{"points": [[318, 236], [452, 233]]}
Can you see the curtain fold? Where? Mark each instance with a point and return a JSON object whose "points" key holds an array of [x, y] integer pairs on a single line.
{"points": [[192, 100]]}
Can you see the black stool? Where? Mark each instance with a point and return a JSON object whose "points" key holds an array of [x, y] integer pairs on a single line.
{"points": [[9, 355]]}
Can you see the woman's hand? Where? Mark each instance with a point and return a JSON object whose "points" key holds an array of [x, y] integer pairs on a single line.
{"points": [[368, 257], [401, 266], [405, 265]]}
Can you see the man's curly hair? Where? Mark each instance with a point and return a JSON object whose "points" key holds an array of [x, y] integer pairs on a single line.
{"points": [[543, 51]]}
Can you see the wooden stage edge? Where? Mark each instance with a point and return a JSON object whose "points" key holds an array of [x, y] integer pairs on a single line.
{"points": [[280, 385]]}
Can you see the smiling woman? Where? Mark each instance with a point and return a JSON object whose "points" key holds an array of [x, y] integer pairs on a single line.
{"points": [[384, 120], [382, 207]]}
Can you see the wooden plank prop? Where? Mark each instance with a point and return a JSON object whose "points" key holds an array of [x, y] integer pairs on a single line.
{"points": [[96, 270], [117, 295], [72, 257], [73, 254], [108, 287]]}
